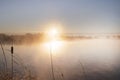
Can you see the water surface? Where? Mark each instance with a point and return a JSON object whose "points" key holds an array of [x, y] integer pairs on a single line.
{"points": [[89, 59]]}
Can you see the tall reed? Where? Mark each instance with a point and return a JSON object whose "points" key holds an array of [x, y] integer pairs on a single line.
{"points": [[4, 56]]}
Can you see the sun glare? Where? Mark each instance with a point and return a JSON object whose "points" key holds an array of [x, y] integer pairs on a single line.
{"points": [[53, 40], [53, 33], [56, 46]]}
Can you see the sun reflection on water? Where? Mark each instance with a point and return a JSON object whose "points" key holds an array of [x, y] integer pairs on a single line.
{"points": [[53, 41], [55, 45]]}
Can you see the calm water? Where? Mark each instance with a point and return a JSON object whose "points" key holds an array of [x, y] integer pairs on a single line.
{"points": [[91, 59]]}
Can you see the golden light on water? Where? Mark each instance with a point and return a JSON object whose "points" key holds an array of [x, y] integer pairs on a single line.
{"points": [[53, 40], [55, 45]]}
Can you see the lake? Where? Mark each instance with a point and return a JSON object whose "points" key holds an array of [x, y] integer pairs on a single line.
{"points": [[87, 59]]}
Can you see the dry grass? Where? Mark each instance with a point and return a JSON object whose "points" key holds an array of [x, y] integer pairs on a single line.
{"points": [[20, 70]]}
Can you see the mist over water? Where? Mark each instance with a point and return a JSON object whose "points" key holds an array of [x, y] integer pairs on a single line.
{"points": [[88, 59], [61, 39]]}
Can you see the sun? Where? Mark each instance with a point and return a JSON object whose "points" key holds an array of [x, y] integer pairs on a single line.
{"points": [[53, 42], [53, 38], [53, 33]]}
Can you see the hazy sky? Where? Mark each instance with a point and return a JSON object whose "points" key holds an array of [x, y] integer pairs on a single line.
{"points": [[83, 16]]}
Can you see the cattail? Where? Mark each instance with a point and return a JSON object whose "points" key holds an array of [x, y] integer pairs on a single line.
{"points": [[12, 50], [12, 62]]}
